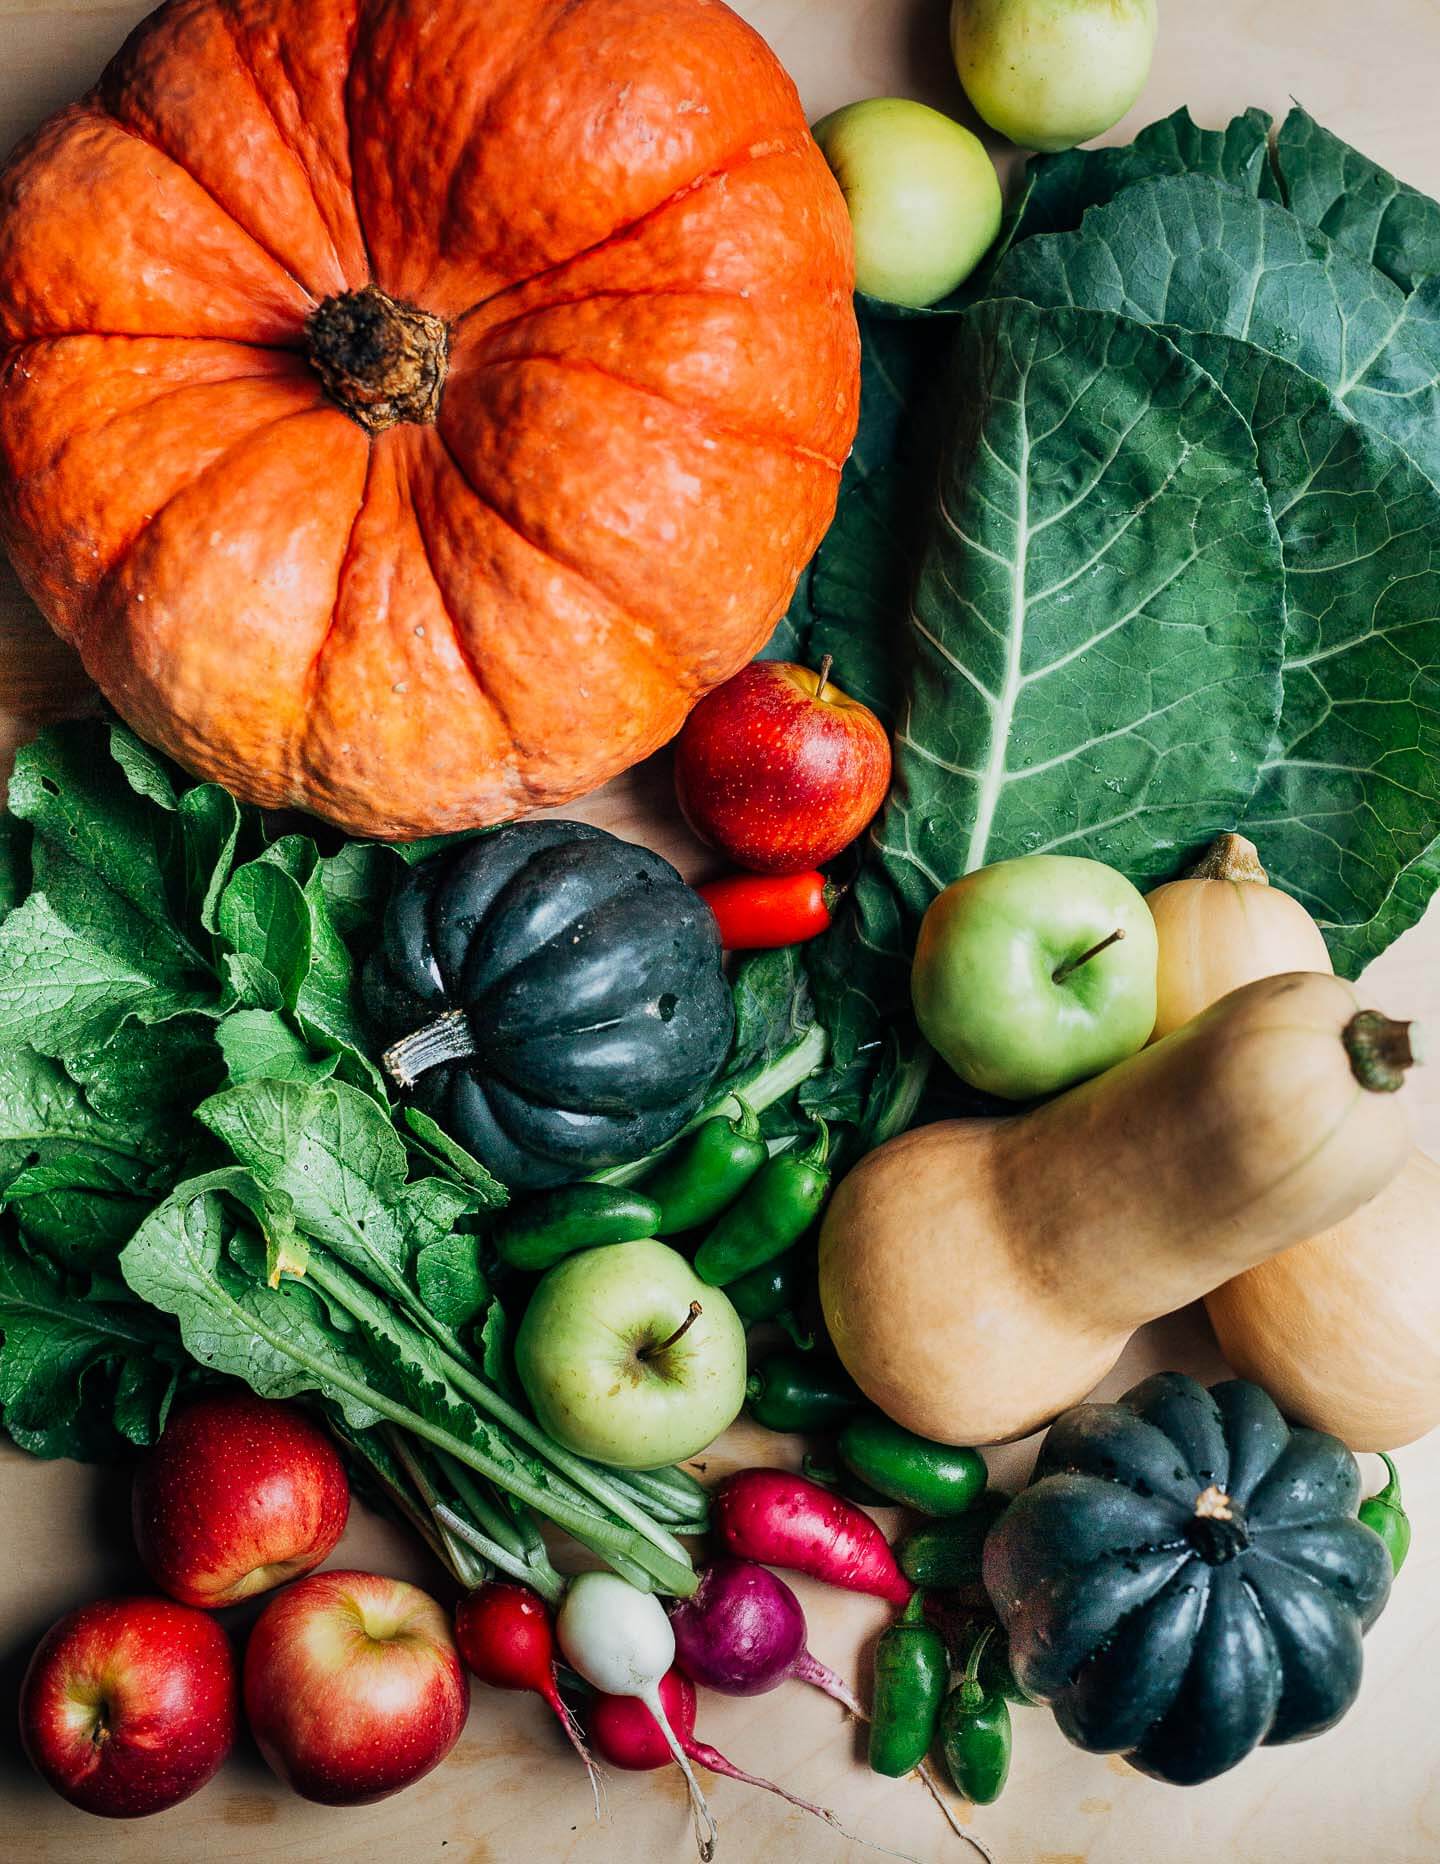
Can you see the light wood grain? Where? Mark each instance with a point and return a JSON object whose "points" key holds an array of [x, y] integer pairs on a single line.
{"points": [[511, 1794]]}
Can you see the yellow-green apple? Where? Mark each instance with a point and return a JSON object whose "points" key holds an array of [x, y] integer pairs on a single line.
{"points": [[1051, 73], [629, 1358], [353, 1686], [129, 1705], [923, 195], [240, 1494]]}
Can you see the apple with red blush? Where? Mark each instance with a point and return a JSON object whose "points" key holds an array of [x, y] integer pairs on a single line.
{"points": [[238, 1495], [779, 769], [130, 1705], [353, 1686]]}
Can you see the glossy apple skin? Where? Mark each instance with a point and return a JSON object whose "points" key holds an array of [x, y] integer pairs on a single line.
{"points": [[240, 1494], [923, 195], [577, 1353], [776, 777], [353, 1686], [130, 1705], [984, 986]]}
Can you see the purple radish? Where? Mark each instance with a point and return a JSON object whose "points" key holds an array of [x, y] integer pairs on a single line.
{"points": [[743, 1633]]}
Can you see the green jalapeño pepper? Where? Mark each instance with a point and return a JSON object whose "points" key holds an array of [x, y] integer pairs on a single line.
{"points": [[947, 1553], [770, 1216], [704, 1176], [769, 1291], [545, 1229], [800, 1391], [975, 1733], [1385, 1513], [933, 1478], [911, 1669]]}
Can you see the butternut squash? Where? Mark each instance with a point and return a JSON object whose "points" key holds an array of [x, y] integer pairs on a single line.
{"points": [[979, 1276], [1343, 1331], [1223, 925]]}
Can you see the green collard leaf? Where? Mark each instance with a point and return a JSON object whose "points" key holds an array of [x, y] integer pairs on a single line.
{"points": [[14, 863], [200, 1256], [251, 983], [263, 919], [1188, 252], [44, 1117], [1350, 794], [334, 1152], [62, 992], [1362, 207], [773, 1008], [852, 598], [64, 1358], [1353, 947], [1100, 613], [452, 1284], [262, 1045], [452, 1158], [1058, 190], [860, 976]]}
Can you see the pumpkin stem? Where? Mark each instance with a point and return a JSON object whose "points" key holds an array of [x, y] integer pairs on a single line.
{"points": [[1217, 1530], [1071, 965], [382, 361], [1230, 857], [447, 1040], [1381, 1050]]}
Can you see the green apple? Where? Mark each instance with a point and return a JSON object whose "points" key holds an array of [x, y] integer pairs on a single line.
{"points": [[923, 195], [627, 1357], [1034, 974], [1051, 73]]}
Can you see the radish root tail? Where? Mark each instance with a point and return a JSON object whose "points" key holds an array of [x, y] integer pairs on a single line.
{"points": [[576, 1738], [716, 1762], [707, 1832], [810, 1670], [933, 1788]]}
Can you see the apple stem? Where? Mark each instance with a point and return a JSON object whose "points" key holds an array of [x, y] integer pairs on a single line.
{"points": [[650, 1352], [1072, 965], [824, 679]]}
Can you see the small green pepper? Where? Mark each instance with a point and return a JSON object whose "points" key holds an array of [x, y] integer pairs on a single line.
{"points": [[975, 1735], [843, 1483], [1385, 1513], [705, 1175], [934, 1478], [995, 1674], [770, 1216], [947, 1553], [545, 1229], [911, 1670], [800, 1391], [767, 1292]]}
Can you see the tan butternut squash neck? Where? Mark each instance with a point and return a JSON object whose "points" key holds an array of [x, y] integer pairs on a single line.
{"points": [[382, 361]]}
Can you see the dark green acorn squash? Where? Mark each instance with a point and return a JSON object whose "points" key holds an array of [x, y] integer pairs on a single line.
{"points": [[558, 998], [1185, 1578]]}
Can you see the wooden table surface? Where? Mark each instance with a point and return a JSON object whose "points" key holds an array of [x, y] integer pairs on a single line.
{"points": [[511, 1793]]}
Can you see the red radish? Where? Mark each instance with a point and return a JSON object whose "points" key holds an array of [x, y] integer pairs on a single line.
{"points": [[743, 1633], [627, 1735], [507, 1639], [783, 1520]]}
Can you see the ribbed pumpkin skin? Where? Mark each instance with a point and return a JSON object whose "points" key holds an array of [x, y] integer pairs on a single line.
{"points": [[645, 269], [1159, 1631]]}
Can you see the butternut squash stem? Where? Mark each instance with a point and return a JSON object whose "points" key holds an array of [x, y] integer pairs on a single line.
{"points": [[1230, 857], [1382, 1050], [448, 1039], [1072, 965]]}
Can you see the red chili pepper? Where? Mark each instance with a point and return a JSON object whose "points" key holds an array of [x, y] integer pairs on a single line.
{"points": [[759, 911]]}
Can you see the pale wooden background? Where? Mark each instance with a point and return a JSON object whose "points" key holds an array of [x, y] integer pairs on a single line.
{"points": [[510, 1794]]}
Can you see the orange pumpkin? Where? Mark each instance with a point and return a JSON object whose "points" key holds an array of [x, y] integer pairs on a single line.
{"points": [[410, 407]]}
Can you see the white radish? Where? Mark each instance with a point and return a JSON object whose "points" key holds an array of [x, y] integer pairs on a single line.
{"points": [[619, 1639]]}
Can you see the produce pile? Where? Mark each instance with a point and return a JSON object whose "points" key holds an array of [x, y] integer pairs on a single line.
{"points": [[493, 1173]]}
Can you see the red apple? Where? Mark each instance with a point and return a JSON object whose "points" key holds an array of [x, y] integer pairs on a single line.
{"points": [[239, 1494], [780, 769], [353, 1686], [129, 1705]]}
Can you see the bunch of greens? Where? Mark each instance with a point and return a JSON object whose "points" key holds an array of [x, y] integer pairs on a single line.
{"points": [[200, 1172], [1141, 541]]}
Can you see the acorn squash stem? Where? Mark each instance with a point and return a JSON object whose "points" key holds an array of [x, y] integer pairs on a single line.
{"points": [[447, 1040]]}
